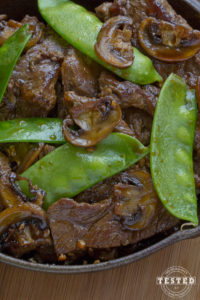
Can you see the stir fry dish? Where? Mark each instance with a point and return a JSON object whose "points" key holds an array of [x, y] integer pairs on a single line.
{"points": [[99, 130]]}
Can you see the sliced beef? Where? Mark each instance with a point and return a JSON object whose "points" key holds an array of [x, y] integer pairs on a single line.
{"points": [[109, 232], [70, 222], [100, 191], [32, 85], [80, 225], [79, 76], [31, 90], [105, 224], [103, 11], [34, 78], [128, 94], [140, 123], [57, 46]]}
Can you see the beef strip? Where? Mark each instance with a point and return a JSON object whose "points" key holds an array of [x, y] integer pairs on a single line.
{"points": [[57, 47], [34, 80], [70, 222], [128, 94], [96, 222], [31, 90], [103, 11], [96, 226], [79, 76], [108, 231], [100, 191], [140, 123]]}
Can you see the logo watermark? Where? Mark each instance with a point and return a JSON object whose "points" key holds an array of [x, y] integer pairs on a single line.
{"points": [[176, 282]]}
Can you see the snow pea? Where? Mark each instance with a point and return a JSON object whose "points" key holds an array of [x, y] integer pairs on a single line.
{"points": [[69, 170], [9, 55], [32, 130], [80, 28], [171, 150]]}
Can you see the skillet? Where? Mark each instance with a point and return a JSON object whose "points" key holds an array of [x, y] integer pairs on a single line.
{"points": [[16, 9]]}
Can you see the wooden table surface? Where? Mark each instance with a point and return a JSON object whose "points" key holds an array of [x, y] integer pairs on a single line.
{"points": [[133, 282]]}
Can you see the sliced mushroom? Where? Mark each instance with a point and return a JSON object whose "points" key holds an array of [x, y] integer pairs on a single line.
{"points": [[10, 195], [21, 213], [23, 228], [114, 42], [168, 42], [136, 204], [96, 118], [39, 194], [103, 11]]}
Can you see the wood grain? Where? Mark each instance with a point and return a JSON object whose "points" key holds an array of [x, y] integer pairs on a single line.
{"points": [[133, 282]]}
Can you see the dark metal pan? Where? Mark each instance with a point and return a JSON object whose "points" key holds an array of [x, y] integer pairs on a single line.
{"points": [[16, 9]]}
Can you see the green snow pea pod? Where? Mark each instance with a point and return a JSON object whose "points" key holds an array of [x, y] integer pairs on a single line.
{"points": [[69, 170], [9, 55], [32, 130], [80, 28], [171, 152]]}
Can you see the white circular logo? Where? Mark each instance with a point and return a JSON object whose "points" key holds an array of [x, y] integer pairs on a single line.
{"points": [[176, 282]]}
